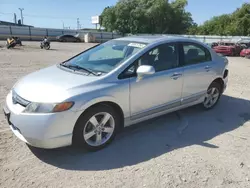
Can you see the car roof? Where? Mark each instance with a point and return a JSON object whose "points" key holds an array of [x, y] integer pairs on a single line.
{"points": [[154, 38]]}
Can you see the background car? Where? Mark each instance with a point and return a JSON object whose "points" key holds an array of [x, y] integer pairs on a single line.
{"points": [[67, 38], [245, 43], [245, 52], [228, 48]]}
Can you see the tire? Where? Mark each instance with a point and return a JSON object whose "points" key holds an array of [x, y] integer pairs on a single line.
{"points": [[86, 135], [47, 47], [233, 53], [214, 98]]}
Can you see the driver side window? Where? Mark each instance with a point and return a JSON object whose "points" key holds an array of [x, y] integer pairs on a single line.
{"points": [[163, 57]]}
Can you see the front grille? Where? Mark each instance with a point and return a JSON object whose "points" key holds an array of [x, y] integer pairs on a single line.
{"points": [[16, 99]]}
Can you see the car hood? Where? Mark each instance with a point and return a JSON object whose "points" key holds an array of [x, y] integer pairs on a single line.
{"points": [[51, 84]]}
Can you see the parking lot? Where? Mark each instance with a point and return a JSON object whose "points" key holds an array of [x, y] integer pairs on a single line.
{"points": [[190, 148]]}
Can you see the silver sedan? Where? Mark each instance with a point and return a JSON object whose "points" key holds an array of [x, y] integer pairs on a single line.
{"points": [[87, 99]]}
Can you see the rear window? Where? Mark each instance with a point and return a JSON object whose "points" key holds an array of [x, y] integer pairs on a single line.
{"points": [[195, 53]]}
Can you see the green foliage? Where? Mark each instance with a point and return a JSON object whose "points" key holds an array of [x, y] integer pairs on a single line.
{"points": [[237, 23], [163, 16], [147, 16], [108, 18]]}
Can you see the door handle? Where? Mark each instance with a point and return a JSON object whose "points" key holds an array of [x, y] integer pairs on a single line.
{"points": [[175, 76], [207, 68]]}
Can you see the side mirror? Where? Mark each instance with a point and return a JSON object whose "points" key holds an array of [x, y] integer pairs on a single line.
{"points": [[145, 70]]}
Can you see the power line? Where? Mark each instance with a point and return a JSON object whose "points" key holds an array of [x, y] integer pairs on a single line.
{"points": [[46, 16], [5, 13]]}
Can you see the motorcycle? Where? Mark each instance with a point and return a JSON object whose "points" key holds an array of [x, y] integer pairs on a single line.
{"points": [[11, 43], [18, 41], [45, 45]]}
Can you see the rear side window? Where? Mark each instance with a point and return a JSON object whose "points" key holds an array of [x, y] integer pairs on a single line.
{"points": [[195, 53]]}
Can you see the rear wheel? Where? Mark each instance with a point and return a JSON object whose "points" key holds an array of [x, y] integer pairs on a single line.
{"points": [[212, 96], [47, 47], [96, 128]]}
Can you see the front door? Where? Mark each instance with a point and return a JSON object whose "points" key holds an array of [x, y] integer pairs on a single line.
{"points": [[161, 90]]}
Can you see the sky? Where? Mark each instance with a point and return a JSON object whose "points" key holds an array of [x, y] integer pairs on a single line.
{"points": [[56, 13]]}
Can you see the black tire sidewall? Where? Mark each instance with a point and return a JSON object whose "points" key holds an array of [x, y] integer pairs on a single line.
{"points": [[47, 47], [213, 85], [81, 123]]}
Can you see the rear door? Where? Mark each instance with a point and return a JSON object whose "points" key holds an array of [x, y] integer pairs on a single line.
{"points": [[198, 71]]}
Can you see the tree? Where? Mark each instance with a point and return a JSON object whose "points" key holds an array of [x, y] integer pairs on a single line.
{"points": [[147, 16], [181, 20], [108, 18], [237, 23]]}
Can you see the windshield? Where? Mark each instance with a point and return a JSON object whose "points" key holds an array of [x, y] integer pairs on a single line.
{"points": [[105, 57]]}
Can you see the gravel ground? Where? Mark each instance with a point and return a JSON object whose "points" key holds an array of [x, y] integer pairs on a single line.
{"points": [[188, 149]]}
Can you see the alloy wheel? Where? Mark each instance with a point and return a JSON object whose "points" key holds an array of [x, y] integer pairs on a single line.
{"points": [[99, 129], [212, 97]]}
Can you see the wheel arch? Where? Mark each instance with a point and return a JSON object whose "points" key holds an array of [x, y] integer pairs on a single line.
{"points": [[219, 81], [110, 103]]}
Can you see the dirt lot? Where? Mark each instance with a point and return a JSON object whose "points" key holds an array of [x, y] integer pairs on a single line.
{"points": [[192, 148]]}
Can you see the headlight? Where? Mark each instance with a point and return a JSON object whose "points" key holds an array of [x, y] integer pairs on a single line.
{"points": [[48, 107]]}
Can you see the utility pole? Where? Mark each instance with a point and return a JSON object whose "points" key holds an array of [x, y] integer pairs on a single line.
{"points": [[78, 23], [63, 25], [21, 10], [15, 18]]}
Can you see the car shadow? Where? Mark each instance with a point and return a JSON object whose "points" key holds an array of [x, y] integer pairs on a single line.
{"points": [[53, 49], [153, 138]]}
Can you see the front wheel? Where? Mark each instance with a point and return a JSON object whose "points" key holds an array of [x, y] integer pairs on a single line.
{"points": [[212, 96], [96, 128]]}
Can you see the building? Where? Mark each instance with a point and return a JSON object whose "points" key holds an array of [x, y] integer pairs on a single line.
{"points": [[13, 24]]}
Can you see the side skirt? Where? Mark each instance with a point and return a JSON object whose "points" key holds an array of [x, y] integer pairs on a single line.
{"points": [[136, 119]]}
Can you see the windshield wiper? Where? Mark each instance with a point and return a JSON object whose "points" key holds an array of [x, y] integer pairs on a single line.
{"points": [[79, 68]]}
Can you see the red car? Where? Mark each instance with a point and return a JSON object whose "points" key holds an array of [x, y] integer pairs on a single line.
{"points": [[245, 52], [228, 48]]}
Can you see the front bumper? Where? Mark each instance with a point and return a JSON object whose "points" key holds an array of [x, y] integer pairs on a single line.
{"points": [[47, 130], [244, 54]]}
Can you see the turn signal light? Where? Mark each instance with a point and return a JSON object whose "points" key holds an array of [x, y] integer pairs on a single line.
{"points": [[63, 106]]}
